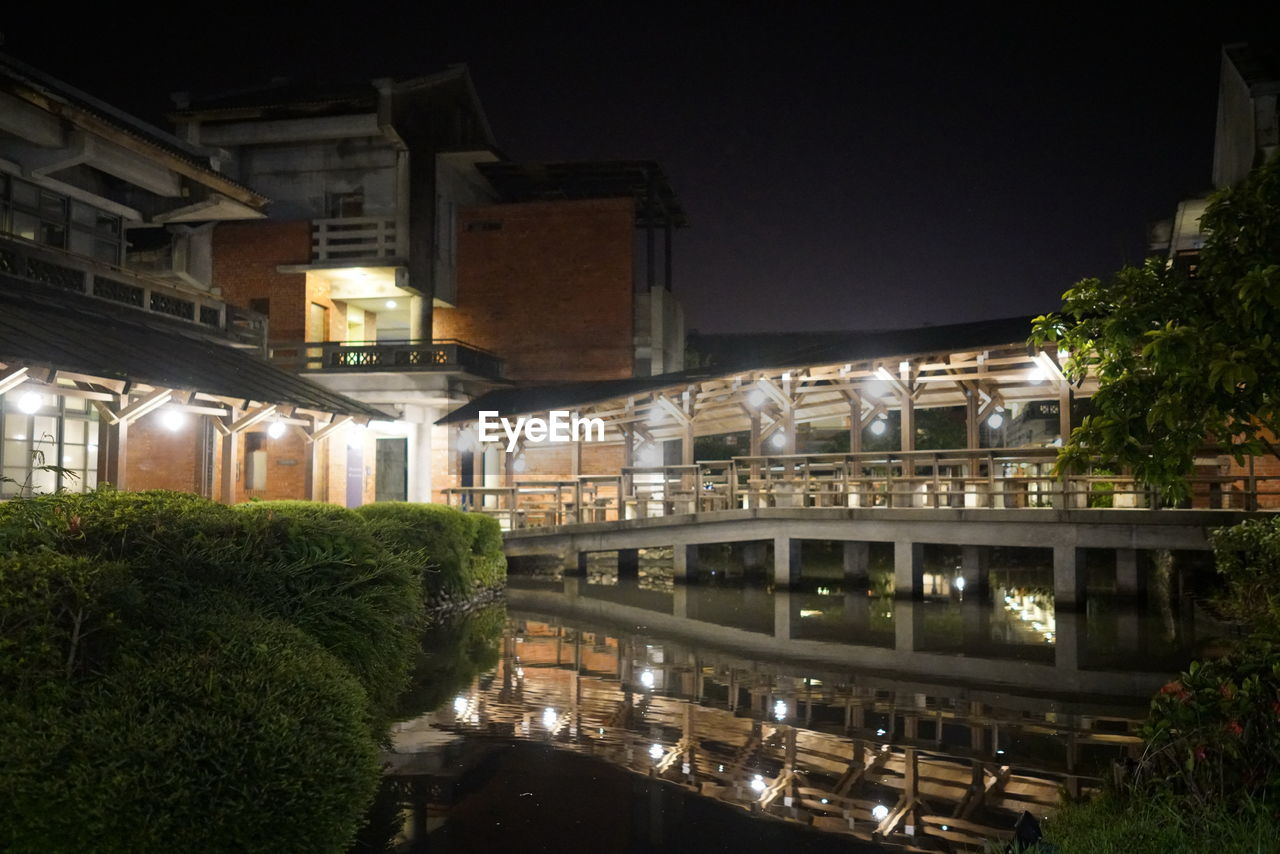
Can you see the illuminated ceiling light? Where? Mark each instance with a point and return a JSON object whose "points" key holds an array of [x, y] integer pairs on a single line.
{"points": [[549, 717], [757, 783], [459, 705], [995, 421], [276, 430], [30, 402], [755, 397], [960, 583], [880, 812], [778, 439], [172, 419], [880, 731], [878, 427], [779, 710], [519, 465], [646, 679], [355, 436], [391, 303], [656, 751]]}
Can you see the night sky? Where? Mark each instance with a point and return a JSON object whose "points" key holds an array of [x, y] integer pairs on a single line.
{"points": [[843, 167]]}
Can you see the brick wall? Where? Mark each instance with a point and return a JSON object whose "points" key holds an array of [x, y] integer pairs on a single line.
{"points": [[245, 258], [548, 286], [159, 458]]}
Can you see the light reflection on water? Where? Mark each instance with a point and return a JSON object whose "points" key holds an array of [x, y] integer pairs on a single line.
{"points": [[654, 679]]}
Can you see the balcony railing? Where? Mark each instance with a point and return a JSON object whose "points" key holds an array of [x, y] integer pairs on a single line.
{"points": [[357, 238], [393, 356], [1004, 479], [69, 273]]}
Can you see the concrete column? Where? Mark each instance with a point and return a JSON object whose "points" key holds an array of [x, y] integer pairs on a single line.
{"points": [[908, 570], [577, 565], [975, 570], [420, 319], [1068, 578], [1068, 640], [680, 600], [905, 617], [683, 557], [1128, 580], [786, 610], [857, 612], [419, 445], [786, 562], [857, 560]]}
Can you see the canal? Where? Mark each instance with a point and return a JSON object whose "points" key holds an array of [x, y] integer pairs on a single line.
{"points": [[609, 708]]}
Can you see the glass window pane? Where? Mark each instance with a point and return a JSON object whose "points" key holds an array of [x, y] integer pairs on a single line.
{"points": [[81, 242], [16, 426], [82, 214], [43, 481], [73, 432], [46, 427], [73, 457], [107, 224], [74, 404], [93, 432], [17, 454], [53, 206], [105, 250], [25, 225], [86, 483], [53, 234], [26, 194]]}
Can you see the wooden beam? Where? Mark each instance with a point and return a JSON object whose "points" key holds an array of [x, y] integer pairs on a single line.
{"points": [[333, 425], [146, 404], [13, 377]]}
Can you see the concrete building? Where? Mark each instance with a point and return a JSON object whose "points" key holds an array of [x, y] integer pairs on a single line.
{"points": [[405, 263], [120, 361]]}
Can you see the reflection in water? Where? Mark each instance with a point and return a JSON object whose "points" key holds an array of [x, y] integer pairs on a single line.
{"points": [[832, 707]]}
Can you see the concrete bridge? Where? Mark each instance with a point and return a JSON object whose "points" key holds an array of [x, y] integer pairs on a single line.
{"points": [[1068, 533]]}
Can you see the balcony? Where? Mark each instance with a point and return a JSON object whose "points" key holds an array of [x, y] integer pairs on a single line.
{"points": [[355, 240], [385, 356], [68, 273]]}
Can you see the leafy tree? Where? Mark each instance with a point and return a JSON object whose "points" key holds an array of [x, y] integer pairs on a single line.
{"points": [[1181, 358]]}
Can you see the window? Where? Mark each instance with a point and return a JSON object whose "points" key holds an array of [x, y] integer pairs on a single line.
{"points": [[346, 204], [51, 219], [62, 432]]}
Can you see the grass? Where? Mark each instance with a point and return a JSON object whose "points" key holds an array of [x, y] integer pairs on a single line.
{"points": [[1105, 825]]}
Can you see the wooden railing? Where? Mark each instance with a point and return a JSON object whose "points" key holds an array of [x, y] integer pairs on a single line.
{"points": [[67, 272], [355, 238], [1007, 479], [358, 356]]}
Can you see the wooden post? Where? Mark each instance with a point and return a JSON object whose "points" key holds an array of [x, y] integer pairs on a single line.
{"points": [[855, 424], [113, 449]]}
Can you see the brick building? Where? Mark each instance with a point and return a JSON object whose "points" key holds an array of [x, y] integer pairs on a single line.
{"points": [[120, 360], [403, 262]]}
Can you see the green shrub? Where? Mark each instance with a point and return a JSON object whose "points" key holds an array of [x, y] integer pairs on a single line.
{"points": [[1248, 559], [59, 616], [458, 554], [321, 568], [1213, 734], [1112, 824], [316, 566], [239, 735]]}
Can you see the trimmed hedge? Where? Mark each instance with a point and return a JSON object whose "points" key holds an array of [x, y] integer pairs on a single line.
{"points": [[238, 735], [175, 672], [458, 554]]}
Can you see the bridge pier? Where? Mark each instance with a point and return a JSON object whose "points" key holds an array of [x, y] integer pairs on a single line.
{"points": [[1129, 581], [1068, 578], [1068, 640], [975, 569], [682, 557], [786, 610], [786, 562], [857, 561], [908, 570]]}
